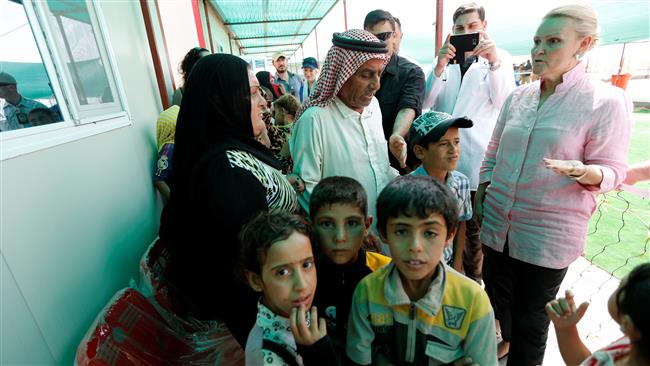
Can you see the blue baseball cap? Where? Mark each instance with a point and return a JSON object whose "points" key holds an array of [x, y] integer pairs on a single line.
{"points": [[310, 63], [432, 125]]}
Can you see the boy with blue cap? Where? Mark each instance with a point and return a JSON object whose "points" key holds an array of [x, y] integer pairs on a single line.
{"points": [[435, 141]]}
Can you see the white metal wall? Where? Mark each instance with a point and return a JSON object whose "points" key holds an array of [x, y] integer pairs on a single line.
{"points": [[75, 218]]}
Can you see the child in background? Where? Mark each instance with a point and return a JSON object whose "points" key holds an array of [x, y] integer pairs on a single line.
{"points": [[416, 310], [628, 306], [165, 133], [39, 117], [434, 140], [277, 260], [284, 114], [339, 215]]}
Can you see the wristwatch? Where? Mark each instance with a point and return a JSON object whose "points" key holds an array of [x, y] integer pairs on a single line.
{"points": [[494, 66]]}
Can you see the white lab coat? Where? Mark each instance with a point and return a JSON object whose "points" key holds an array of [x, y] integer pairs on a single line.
{"points": [[479, 97]]}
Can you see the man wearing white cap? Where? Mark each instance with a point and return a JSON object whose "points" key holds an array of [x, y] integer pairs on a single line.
{"points": [[292, 83], [15, 108], [339, 130]]}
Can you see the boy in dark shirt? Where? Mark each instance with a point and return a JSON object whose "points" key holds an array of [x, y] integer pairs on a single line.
{"points": [[339, 214]]}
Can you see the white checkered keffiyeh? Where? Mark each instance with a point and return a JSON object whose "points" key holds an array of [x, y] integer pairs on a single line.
{"points": [[339, 65]]}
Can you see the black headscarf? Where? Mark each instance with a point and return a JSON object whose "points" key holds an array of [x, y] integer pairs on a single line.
{"points": [[264, 77], [214, 117]]}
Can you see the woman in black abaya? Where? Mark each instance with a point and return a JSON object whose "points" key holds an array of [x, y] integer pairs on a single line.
{"points": [[222, 177]]}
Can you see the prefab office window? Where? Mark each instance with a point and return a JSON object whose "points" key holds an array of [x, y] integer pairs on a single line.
{"points": [[61, 60]]}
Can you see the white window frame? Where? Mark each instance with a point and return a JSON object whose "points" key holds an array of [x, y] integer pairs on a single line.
{"points": [[79, 122]]}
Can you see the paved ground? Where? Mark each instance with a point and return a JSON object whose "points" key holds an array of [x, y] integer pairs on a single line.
{"points": [[592, 284]]}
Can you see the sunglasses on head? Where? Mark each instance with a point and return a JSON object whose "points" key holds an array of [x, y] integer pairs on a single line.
{"points": [[384, 35]]}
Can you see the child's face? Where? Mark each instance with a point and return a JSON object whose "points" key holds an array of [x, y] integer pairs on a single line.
{"points": [[288, 275], [442, 154], [340, 229], [416, 245]]}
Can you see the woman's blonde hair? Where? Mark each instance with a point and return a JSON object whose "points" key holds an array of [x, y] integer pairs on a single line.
{"points": [[585, 17]]}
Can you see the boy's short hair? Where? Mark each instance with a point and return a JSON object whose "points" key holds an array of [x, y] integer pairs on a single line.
{"points": [[469, 8], [261, 232], [416, 195], [378, 16], [432, 125], [289, 103], [341, 190]]}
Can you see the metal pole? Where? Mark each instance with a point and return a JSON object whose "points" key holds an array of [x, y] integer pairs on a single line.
{"points": [[438, 24], [345, 14], [316, 35], [620, 64]]}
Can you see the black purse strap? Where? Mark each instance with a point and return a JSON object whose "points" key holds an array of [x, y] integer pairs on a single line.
{"points": [[286, 356]]}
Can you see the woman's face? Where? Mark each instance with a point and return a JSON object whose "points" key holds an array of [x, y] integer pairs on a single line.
{"points": [[258, 105], [556, 45]]}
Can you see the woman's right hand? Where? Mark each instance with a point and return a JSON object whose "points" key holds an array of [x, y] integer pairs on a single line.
{"points": [[479, 197]]}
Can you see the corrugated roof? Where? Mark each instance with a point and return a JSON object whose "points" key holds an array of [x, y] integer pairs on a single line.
{"points": [[267, 26]]}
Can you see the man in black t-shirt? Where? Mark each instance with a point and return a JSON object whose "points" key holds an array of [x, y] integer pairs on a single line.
{"points": [[402, 87]]}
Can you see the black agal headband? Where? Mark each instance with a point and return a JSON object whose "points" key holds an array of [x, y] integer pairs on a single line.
{"points": [[358, 45]]}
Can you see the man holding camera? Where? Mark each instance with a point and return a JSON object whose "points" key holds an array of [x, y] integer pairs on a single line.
{"points": [[475, 89]]}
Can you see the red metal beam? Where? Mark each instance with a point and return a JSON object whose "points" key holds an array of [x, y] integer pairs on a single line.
{"points": [[157, 64], [197, 22]]}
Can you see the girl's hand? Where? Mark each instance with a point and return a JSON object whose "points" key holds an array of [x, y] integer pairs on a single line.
{"points": [[563, 312], [303, 334]]}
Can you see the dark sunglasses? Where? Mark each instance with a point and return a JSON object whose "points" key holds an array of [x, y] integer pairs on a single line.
{"points": [[384, 35]]}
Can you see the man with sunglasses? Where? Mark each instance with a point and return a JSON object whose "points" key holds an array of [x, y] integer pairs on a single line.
{"points": [[402, 88], [15, 107]]}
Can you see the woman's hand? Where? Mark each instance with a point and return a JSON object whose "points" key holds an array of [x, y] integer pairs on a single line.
{"points": [[563, 312], [479, 197], [587, 175], [570, 168], [303, 334]]}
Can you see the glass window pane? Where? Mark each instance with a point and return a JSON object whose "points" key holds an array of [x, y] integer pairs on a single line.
{"points": [[26, 96], [78, 47]]}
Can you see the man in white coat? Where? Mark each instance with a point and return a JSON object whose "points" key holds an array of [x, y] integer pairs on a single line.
{"points": [[475, 91]]}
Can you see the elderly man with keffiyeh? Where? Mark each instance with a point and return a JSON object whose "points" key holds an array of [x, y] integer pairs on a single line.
{"points": [[339, 131]]}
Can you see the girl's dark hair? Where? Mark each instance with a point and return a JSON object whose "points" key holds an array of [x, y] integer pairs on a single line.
{"points": [[259, 234], [416, 195], [189, 60], [632, 300]]}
